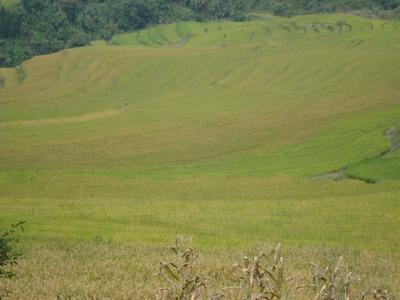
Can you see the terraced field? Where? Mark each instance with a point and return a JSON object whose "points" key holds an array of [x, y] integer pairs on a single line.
{"points": [[231, 133]]}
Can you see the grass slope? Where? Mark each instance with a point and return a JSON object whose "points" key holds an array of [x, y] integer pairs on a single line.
{"points": [[215, 130], [8, 3]]}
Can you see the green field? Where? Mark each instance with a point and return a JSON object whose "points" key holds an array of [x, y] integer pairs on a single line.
{"points": [[225, 132], [8, 3]]}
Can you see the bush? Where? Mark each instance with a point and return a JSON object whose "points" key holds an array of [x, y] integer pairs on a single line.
{"points": [[78, 39], [13, 52], [396, 13], [21, 73], [2, 80], [8, 254], [180, 13], [282, 9]]}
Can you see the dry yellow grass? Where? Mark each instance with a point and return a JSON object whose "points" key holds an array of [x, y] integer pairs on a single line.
{"points": [[126, 271]]}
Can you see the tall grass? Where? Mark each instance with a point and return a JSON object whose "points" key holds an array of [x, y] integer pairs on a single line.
{"points": [[263, 276], [103, 270]]}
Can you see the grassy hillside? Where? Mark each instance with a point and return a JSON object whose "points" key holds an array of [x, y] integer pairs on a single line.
{"points": [[337, 29], [256, 126], [230, 112], [279, 102], [8, 3], [230, 133]]}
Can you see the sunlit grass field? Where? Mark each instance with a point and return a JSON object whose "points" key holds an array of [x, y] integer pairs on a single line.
{"points": [[8, 3], [225, 132]]}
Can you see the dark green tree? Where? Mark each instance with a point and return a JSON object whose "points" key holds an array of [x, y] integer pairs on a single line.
{"points": [[45, 27]]}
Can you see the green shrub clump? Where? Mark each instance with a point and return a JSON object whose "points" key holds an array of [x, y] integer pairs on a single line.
{"points": [[8, 255]]}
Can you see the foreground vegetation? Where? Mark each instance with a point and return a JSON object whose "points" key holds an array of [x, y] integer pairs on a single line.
{"points": [[262, 276], [129, 271]]}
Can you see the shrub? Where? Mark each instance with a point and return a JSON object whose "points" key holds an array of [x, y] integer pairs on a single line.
{"points": [[282, 9], [2, 80], [13, 52], [21, 73], [78, 39], [8, 254]]}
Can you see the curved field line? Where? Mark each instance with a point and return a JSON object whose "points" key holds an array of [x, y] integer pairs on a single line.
{"points": [[66, 120]]}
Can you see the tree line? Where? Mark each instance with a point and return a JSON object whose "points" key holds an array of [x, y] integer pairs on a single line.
{"points": [[33, 27]]}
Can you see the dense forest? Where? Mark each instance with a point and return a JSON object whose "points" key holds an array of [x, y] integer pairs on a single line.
{"points": [[32, 27]]}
